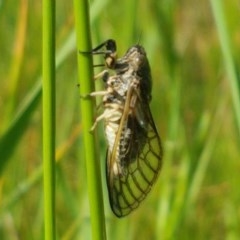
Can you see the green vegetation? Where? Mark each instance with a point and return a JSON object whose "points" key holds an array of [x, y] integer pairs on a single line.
{"points": [[86, 76], [48, 117], [193, 48]]}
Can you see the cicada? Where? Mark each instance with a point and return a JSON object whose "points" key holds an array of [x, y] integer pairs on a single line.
{"points": [[134, 155]]}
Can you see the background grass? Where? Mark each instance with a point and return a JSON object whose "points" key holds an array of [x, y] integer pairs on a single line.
{"points": [[197, 195]]}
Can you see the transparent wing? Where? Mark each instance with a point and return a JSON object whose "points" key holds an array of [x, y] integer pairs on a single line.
{"points": [[140, 166]]}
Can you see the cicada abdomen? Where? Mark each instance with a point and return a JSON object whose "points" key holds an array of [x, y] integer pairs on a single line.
{"points": [[134, 156]]}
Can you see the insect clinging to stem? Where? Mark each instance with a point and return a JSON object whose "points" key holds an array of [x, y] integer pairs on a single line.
{"points": [[134, 155]]}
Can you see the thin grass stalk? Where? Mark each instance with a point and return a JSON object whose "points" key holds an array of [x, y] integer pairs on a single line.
{"points": [[48, 91], [85, 67], [217, 8]]}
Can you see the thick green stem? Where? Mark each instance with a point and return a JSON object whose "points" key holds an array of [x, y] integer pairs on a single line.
{"points": [[85, 67]]}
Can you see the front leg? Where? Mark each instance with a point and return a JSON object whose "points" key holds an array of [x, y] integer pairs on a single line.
{"points": [[104, 75]]}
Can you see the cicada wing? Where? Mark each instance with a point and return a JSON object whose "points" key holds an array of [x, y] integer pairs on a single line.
{"points": [[140, 167]]}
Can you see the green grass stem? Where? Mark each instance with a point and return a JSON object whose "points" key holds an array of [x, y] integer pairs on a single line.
{"points": [[85, 67], [48, 95]]}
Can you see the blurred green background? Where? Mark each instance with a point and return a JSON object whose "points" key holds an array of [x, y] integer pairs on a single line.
{"points": [[197, 195]]}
